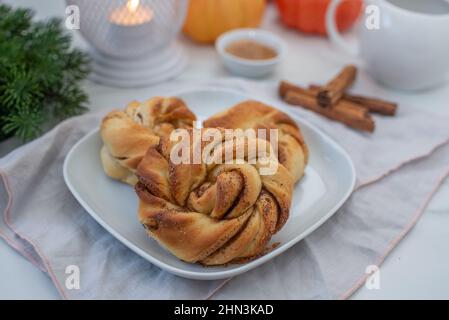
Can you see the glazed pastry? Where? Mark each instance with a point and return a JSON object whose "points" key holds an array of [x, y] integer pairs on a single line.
{"points": [[128, 134], [220, 213]]}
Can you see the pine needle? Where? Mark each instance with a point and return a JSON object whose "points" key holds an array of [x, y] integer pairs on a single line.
{"points": [[40, 74]]}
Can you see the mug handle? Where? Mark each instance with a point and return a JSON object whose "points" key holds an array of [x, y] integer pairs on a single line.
{"points": [[334, 34]]}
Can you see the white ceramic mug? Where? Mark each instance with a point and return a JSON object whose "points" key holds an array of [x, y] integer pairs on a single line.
{"points": [[408, 49]]}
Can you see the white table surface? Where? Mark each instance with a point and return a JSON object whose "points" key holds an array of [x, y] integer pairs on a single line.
{"points": [[416, 269]]}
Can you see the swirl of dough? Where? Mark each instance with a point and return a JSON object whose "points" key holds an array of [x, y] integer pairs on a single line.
{"points": [[128, 134], [221, 212]]}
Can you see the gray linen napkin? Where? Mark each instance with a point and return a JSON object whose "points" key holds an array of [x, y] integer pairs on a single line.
{"points": [[399, 167]]}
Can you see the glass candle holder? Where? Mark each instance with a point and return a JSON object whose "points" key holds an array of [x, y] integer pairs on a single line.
{"points": [[133, 41]]}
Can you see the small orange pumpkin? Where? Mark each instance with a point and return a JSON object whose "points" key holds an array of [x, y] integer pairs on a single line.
{"points": [[207, 19], [309, 16]]}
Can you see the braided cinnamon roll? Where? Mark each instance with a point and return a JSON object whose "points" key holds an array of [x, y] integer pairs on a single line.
{"points": [[128, 134], [225, 211], [292, 150]]}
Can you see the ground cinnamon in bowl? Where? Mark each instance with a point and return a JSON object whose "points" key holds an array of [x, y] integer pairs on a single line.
{"points": [[252, 50]]}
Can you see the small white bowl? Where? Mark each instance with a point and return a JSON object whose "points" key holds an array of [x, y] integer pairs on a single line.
{"points": [[246, 67]]}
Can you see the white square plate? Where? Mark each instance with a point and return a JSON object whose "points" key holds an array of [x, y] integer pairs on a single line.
{"points": [[328, 182]]}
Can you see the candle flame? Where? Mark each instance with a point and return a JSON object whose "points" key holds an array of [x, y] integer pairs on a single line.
{"points": [[132, 5]]}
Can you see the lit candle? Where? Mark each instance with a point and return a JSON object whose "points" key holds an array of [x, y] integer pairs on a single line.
{"points": [[130, 24], [131, 14]]}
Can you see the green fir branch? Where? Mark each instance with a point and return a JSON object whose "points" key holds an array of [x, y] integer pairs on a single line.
{"points": [[40, 74]]}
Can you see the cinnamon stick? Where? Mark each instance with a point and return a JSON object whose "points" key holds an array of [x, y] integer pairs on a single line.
{"points": [[353, 108], [350, 114], [285, 87], [374, 105], [335, 89]]}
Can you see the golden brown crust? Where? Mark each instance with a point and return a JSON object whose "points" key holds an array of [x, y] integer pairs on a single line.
{"points": [[222, 213], [191, 236], [128, 134], [210, 214], [292, 149]]}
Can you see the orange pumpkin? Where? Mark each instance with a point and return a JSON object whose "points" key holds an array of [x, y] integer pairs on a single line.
{"points": [[310, 15], [207, 19]]}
